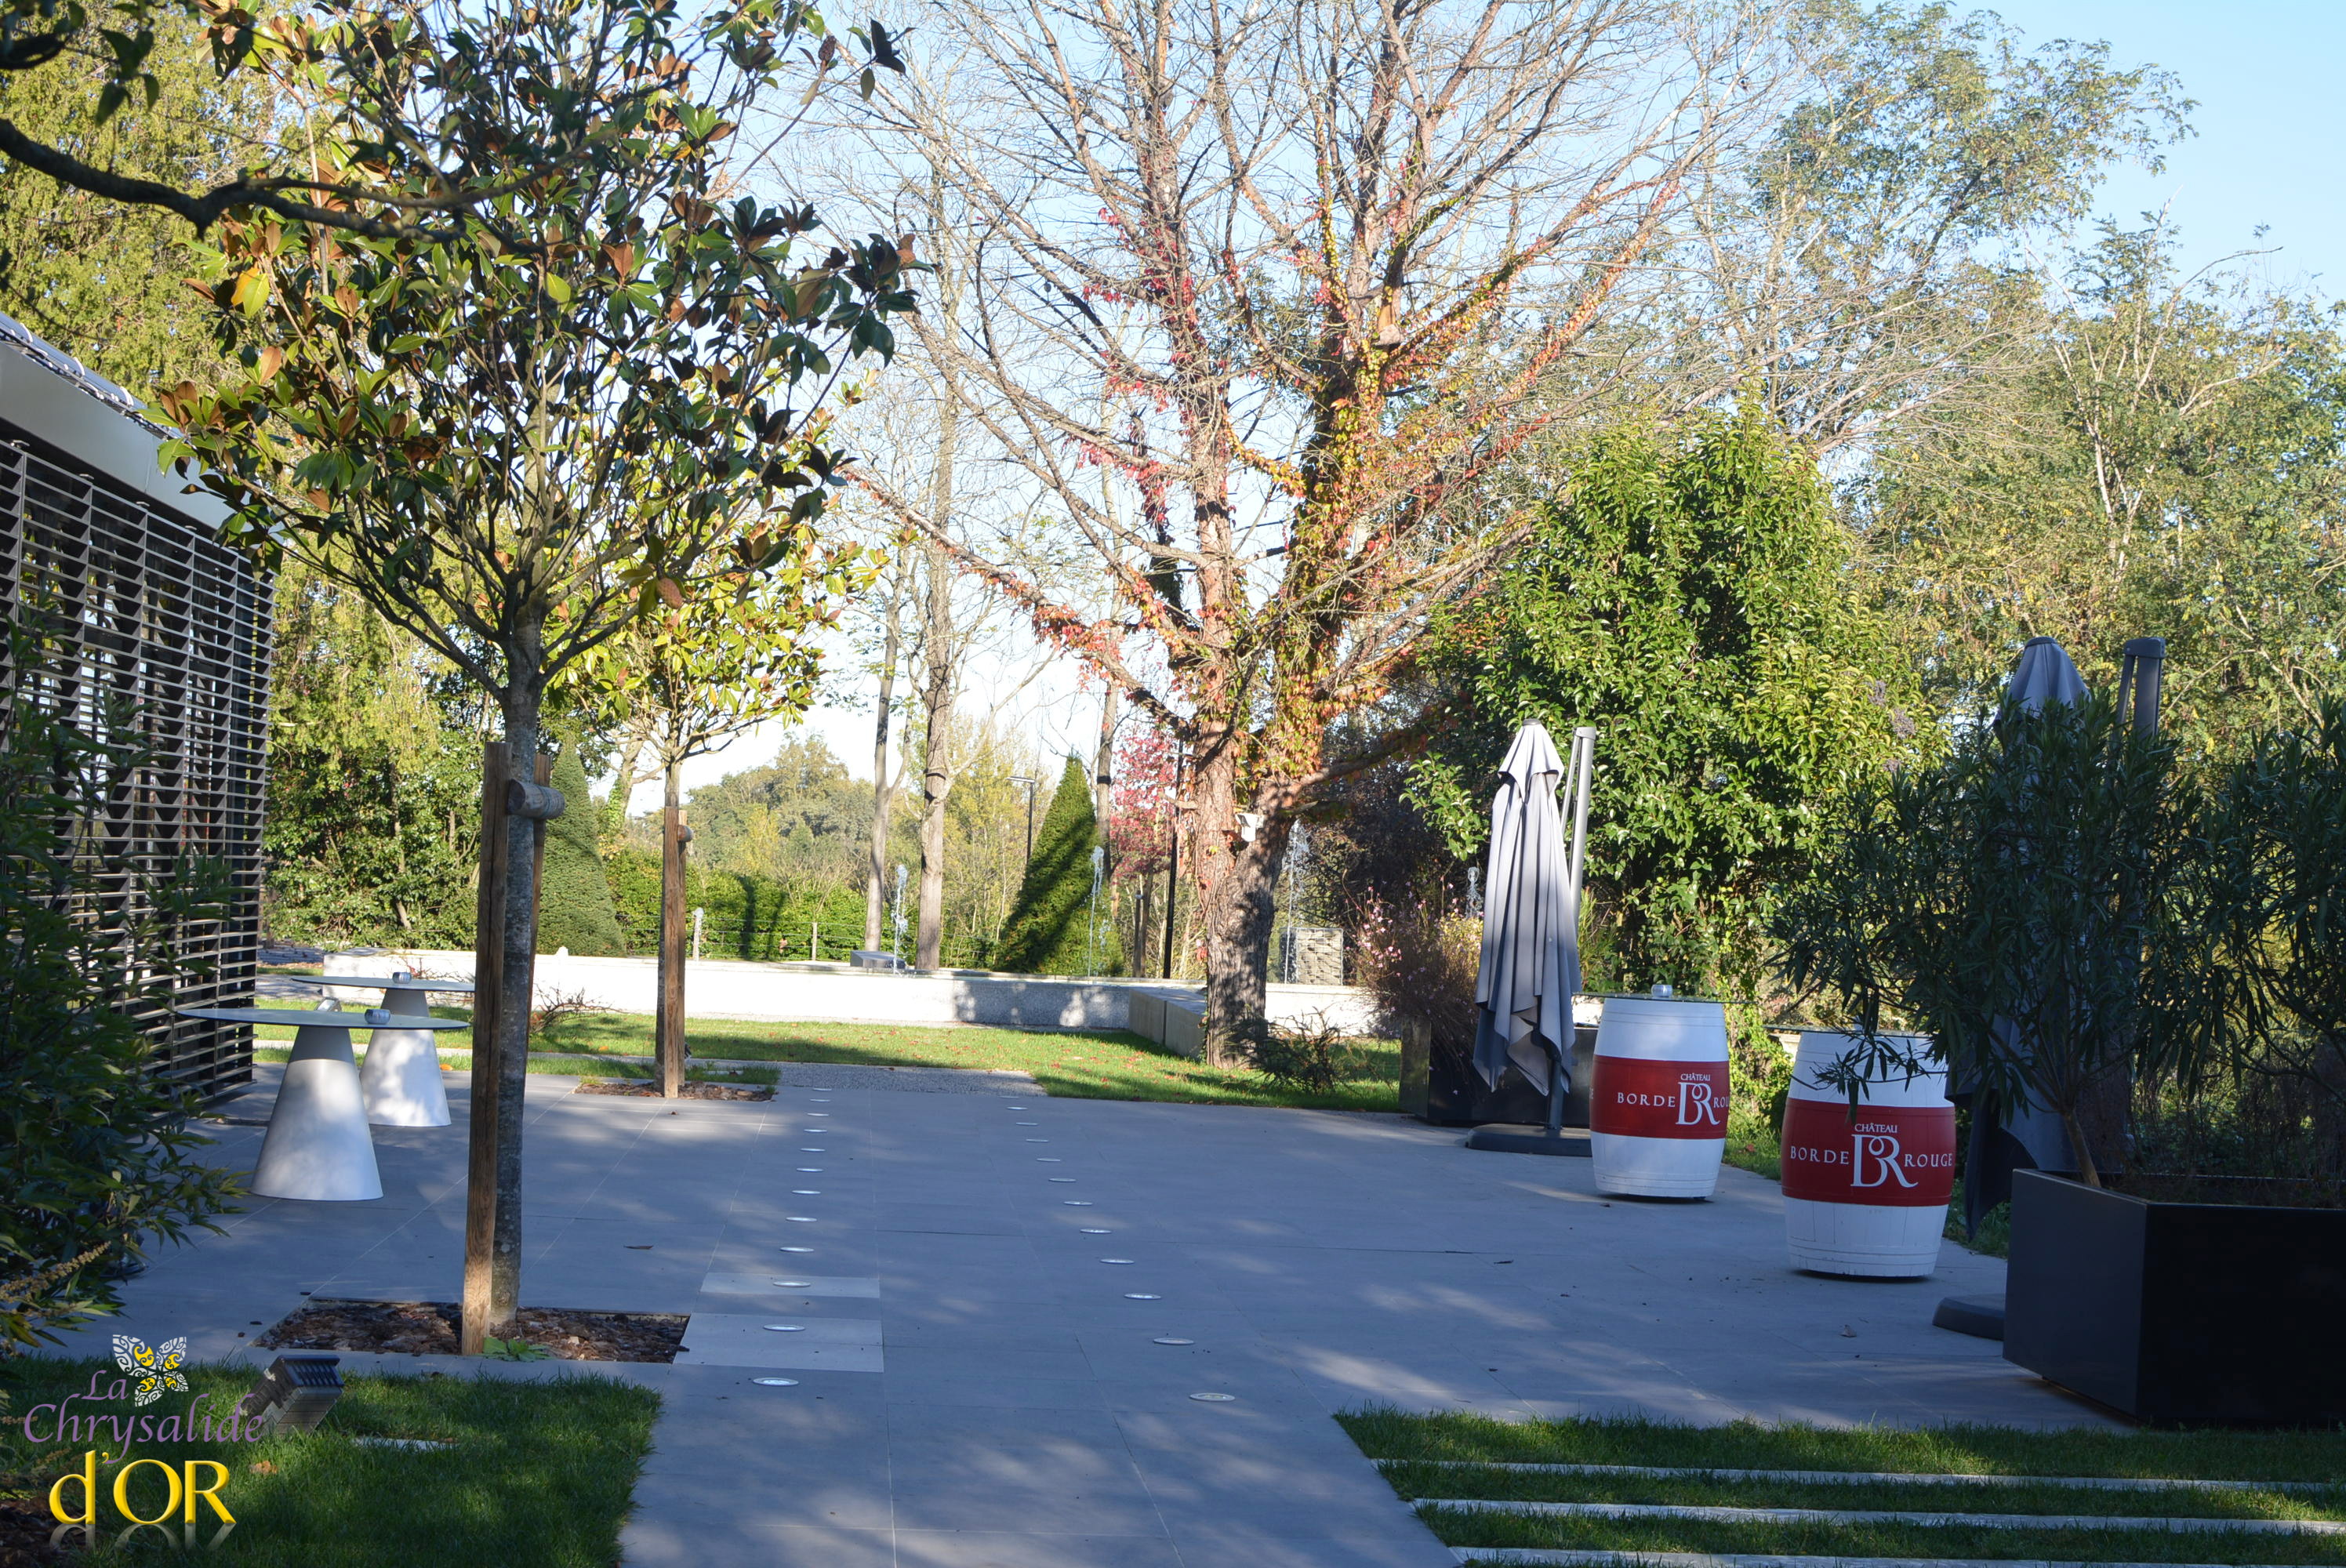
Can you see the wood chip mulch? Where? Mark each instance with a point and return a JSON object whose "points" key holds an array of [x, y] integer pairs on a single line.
{"points": [[429, 1329], [639, 1089]]}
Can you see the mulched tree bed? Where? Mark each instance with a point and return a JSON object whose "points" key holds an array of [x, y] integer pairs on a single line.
{"points": [[641, 1089], [25, 1527], [429, 1329]]}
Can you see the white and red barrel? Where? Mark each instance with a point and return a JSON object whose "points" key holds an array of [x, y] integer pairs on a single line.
{"points": [[1865, 1192], [1657, 1097]]}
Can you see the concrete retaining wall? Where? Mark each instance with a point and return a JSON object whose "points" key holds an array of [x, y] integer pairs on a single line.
{"points": [[813, 992]]}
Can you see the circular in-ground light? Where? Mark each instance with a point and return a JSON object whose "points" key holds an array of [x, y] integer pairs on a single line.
{"points": [[1058, 1179], [793, 1284], [1215, 1399], [1094, 1230], [1116, 1260], [1142, 1296], [785, 1328], [796, 1249], [775, 1382], [1172, 1340]]}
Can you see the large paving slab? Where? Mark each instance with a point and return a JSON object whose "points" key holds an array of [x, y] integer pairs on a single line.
{"points": [[975, 1384]]}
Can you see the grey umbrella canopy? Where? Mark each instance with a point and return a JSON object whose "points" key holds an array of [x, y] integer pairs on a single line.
{"points": [[2044, 674], [1530, 943]]}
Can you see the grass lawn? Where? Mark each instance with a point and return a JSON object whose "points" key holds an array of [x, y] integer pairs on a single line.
{"points": [[539, 1476], [1106, 1065], [1470, 1447]]}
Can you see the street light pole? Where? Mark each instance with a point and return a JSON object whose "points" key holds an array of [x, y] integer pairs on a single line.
{"points": [[1173, 862], [1031, 785]]}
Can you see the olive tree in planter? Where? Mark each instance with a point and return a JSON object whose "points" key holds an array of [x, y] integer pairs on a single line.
{"points": [[2012, 902], [2045, 903]]}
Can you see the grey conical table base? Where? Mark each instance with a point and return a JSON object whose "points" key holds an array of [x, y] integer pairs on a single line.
{"points": [[318, 1147], [399, 1080]]}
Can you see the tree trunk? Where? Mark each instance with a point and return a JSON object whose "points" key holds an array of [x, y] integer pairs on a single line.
{"points": [[481, 1134], [525, 850], [938, 696], [875, 890], [669, 1023], [1237, 887]]}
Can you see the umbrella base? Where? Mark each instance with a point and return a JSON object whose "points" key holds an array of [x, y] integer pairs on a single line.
{"points": [[1510, 1138], [1981, 1316]]}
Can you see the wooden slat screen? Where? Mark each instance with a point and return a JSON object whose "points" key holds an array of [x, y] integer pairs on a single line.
{"points": [[162, 636]]}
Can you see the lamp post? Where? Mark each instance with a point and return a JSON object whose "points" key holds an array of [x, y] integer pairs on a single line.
{"points": [[1031, 785], [1173, 859]]}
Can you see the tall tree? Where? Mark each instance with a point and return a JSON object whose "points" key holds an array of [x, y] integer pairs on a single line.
{"points": [[511, 451], [1263, 300], [1863, 269], [2171, 464], [1059, 924], [102, 278]]}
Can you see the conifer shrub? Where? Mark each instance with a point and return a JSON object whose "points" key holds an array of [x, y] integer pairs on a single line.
{"points": [[1053, 928]]}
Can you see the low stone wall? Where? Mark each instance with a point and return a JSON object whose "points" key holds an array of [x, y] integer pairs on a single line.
{"points": [[834, 993]]}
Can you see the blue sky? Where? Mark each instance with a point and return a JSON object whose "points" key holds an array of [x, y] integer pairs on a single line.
{"points": [[2267, 76]]}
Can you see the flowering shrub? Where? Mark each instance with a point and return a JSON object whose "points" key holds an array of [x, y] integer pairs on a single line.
{"points": [[1419, 960]]}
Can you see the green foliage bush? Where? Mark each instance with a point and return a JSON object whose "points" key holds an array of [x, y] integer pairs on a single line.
{"points": [[1052, 928], [96, 1161], [1311, 1058], [1690, 599], [575, 908]]}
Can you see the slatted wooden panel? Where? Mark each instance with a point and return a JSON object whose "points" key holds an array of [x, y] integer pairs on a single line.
{"points": [[163, 640]]}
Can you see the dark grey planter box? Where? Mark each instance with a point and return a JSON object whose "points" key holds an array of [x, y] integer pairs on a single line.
{"points": [[1444, 1089], [2178, 1311]]}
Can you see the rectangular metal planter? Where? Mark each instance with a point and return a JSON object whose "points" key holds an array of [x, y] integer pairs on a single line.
{"points": [[2178, 1311], [1443, 1089]]}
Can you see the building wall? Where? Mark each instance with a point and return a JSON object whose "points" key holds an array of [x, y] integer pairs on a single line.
{"points": [[159, 637]]}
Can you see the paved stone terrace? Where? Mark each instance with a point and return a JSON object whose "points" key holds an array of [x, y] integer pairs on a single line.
{"points": [[975, 1386]]}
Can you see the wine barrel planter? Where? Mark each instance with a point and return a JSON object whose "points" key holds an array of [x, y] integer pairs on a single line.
{"points": [[1657, 1097], [2180, 1311], [1866, 1191]]}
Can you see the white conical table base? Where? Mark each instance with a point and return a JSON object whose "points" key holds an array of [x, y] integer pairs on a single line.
{"points": [[318, 1146], [401, 1080]]}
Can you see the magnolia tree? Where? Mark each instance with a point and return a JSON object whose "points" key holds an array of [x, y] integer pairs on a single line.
{"points": [[683, 679], [1263, 303], [586, 396]]}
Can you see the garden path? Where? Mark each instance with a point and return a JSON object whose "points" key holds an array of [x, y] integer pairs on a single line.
{"points": [[976, 1386]]}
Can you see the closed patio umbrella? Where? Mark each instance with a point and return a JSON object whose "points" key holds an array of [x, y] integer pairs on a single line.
{"points": [[1531, 946], [2009, 1137]]}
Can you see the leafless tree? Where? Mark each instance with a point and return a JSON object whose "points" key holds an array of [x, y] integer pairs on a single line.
{"points": [[1260, 299]]}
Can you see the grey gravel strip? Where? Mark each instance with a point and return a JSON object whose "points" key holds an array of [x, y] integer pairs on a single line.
{"points": [[1872, 1477], [1553, 1557], [1883, 1516]]}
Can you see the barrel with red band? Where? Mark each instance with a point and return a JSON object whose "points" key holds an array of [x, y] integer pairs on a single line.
{"points": [[1900, 1157], [1639, 1098]]}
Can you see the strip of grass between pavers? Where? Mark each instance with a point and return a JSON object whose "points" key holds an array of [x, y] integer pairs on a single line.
{"points": [[1555, 1557], [1853, 1477], [1098, 1064], [1461, 1529], [1484, 1482], [538, 1474], [1383, 1432], [1761, 1513]]}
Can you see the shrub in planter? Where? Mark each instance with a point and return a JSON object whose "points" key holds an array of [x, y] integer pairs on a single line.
{"points": [[2016, 903]]}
